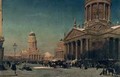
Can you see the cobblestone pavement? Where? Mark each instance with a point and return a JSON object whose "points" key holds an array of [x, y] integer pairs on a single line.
{"points": [[57, 72]]}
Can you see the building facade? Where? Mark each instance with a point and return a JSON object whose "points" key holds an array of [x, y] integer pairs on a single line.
{"points": [[32, 53], [98, 39], [47, 56], [60, 51], [1, 34]]}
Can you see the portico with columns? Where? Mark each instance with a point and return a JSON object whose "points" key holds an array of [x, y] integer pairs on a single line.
{"points": [[75, 47], [109, 44], [97, 39]]}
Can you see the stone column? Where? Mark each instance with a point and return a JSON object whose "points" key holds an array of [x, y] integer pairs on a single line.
{"points": [[90, 45], [87, 43], [81, 45], [104, 11], [116, 48], [29, 57], [39, 57], [119, 50], [76, 57], [87, 47], [113, 51], [108, 12], [68, 48], [97, 11], [72, 48], [90, 12], [1, 54], [32, 57], [86, 13], [108, 48]]}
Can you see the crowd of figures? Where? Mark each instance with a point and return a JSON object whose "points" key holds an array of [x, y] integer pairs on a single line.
{"points": [[13, 65], [108, 67], [8, 65]]}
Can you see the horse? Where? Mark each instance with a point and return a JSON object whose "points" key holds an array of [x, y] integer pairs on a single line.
{"points": [[110, 70]]}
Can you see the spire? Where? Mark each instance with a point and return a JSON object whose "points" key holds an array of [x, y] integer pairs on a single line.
{"points": [[75, 25]]}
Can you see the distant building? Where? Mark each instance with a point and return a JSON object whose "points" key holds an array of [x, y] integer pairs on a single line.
{"points": [[32, 53], [60, 51], [47, 56], [98, 39], [12, 57]]}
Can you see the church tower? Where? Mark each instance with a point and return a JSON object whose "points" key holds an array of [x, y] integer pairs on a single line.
{"points": [[97, 10], [32, 42], [1, 35]]}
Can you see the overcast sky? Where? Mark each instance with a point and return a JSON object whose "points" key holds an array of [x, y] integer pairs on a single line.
{"points": [[49, 19]]}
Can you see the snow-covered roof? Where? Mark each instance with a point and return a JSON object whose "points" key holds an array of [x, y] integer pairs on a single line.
{"points": [[32, 33], [47, 54], [114, 27], [81, 29]]}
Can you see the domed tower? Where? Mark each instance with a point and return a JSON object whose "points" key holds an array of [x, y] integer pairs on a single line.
{"points": [[32, 42], [97, 10]]}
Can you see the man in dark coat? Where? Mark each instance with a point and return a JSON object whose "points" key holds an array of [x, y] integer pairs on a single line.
{"points": [[14, 68]]}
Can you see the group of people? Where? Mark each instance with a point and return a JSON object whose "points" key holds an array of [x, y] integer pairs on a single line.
{"points": [[108, 70], [65, 64], [105, 65], [7, 65]]}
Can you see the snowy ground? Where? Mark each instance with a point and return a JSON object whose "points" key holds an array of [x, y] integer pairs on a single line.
{"points": [[51, 72]]}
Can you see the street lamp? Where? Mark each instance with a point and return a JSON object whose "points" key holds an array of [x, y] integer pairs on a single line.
{"points": [[14, 47]]}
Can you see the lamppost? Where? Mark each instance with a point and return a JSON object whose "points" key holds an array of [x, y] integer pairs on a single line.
{"points": [[14, 47]]}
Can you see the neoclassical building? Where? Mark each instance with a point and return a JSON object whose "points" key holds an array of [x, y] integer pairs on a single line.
{"points": [[32, 53], [47, 56], [60, 50], [98, 38]]}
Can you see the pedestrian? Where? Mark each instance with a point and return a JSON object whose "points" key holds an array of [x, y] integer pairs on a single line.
{"points": [[14, 68], [9, 64]]}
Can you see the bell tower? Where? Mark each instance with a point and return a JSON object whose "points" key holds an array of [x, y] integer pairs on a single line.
{"points": [[32, 42], [97, 10]]}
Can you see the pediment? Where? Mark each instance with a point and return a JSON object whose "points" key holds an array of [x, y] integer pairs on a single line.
{"points": [[98, 27], [115, 31], [74, 33]]}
